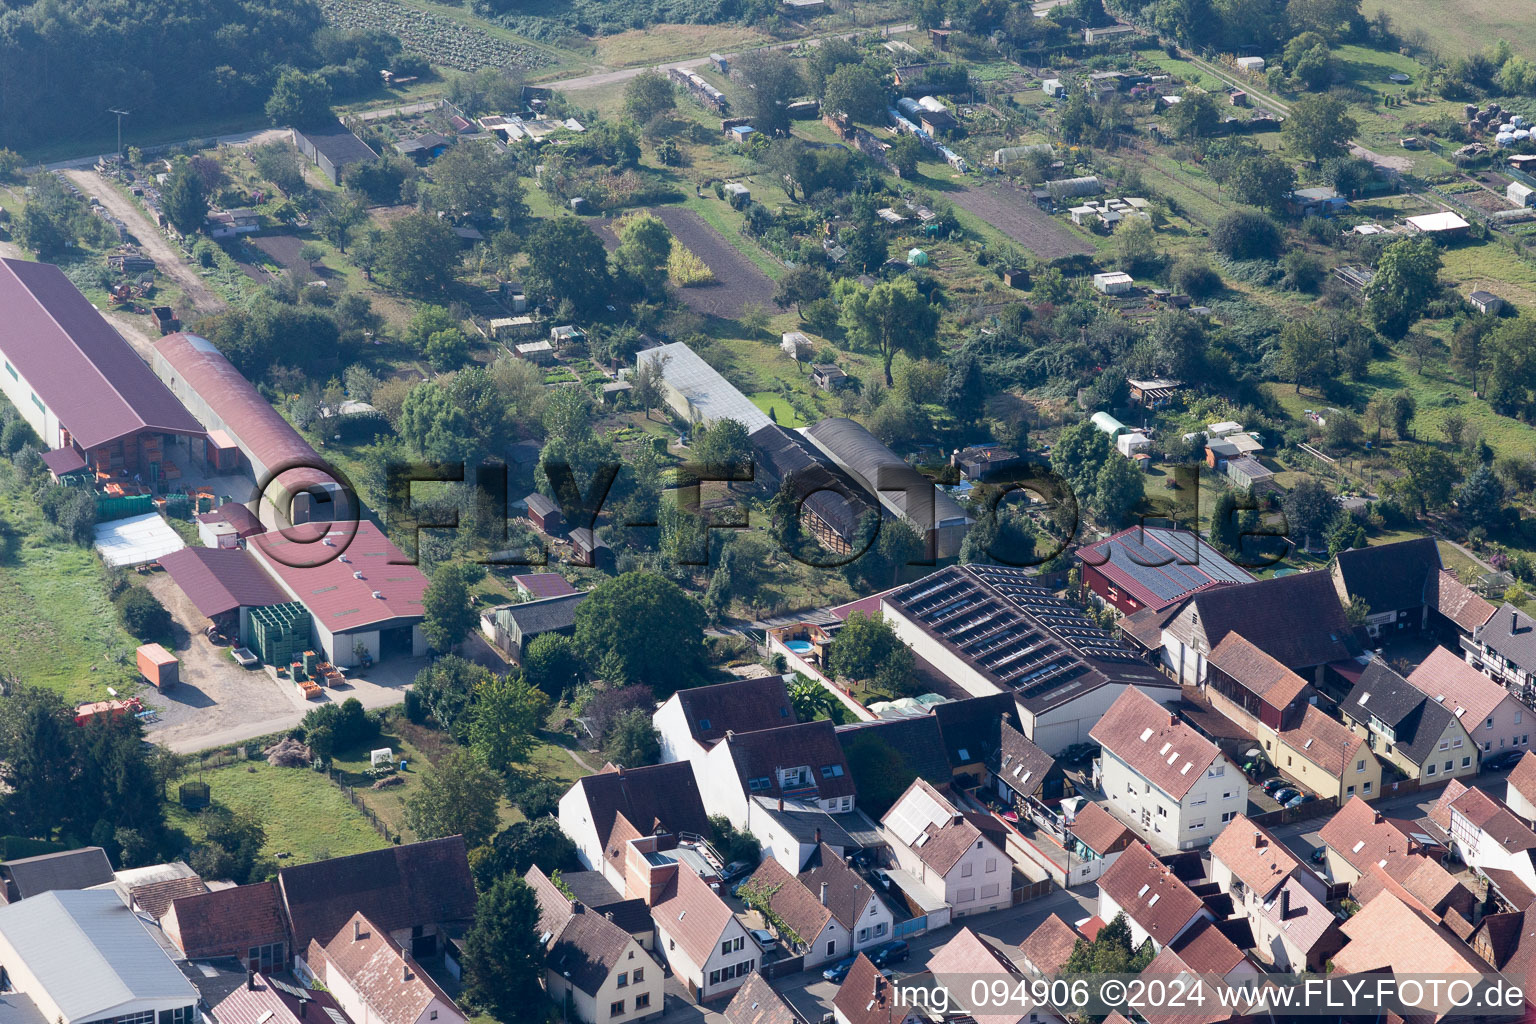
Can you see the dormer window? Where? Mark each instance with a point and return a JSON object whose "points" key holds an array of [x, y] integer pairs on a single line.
{"points": [[704, 724]]}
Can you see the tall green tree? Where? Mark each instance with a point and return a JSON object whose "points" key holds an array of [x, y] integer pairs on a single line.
{"points": [[772, 83], [1080, 452], [617, 626], [503, 958], [648, 94], [508, 713], [633, 740], [459, 795], [1319, 126], [419, 254], [645, 245], [891, 317], [1407, 278], [300, 100], [1195, 116], [552, 663], [567, 263], [436, 428], [186, 199], [339, 218], [1309, 511], [476, 184], [855, 90], [1118, 490], [448, 616], [868, 650], [1306, 357]]}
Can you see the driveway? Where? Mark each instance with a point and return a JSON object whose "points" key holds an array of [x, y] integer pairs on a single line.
{"points": [[218, 703], [151, 240]]}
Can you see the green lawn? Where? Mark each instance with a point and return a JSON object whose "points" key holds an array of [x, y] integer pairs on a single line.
{"points": [[57, 628], [1459, 27], [306, 817]]}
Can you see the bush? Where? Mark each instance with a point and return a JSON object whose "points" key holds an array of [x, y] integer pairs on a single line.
{"points": [[1247, 235], [685, 269], [143, 615], [1194, 278]]}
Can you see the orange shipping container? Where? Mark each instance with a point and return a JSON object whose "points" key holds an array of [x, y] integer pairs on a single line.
{"points": [[158, 665]]}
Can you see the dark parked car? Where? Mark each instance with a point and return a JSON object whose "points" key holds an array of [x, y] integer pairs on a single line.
{"points": [[1276, 783], [1503, 761], [1299, 799], [1319, 855], [888, 953], [838, 971], [1284, 795]]}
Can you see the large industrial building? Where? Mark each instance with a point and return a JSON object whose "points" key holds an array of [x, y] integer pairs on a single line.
{"points": [[361, 594], [992, 629], [78, 384], [695, 391], [263, 442]]}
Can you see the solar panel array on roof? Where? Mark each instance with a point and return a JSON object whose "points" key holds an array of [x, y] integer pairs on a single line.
{"points": [[1016, 632], [1166, 565]]}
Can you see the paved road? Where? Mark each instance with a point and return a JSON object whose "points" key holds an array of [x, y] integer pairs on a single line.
{"points": [[151, 240]]}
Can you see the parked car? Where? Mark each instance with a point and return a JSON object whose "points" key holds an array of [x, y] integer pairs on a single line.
{"points": [[734, 870], [765, 940], [838, 971], [1319, 855], [1276, 783], [1503, 761], [1079, 753], [1299, 799], [887, 953], [1284, 795]]}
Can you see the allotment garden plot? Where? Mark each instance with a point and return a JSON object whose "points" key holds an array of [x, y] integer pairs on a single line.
{"points": [[738, 281], [1013, 212]]}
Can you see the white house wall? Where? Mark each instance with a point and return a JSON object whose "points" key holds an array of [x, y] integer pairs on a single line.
{"points": [[1193, 821]]}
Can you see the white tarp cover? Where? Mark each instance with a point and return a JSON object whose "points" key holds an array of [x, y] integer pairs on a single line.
{"points": [[135, 541]]}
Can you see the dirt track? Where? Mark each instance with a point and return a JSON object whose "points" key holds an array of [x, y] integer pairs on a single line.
{"points": [[1013, 212], [155, 245]]}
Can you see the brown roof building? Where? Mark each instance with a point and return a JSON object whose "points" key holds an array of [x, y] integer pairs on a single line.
{"points": [[1100, 831], [966, 957], [71, 869], [374, 979], [1244, 683], [1520, 791], [223, 584], [1047, 948], [804, 923], [757, 1003], [259, 1001], [1155, 902], [603, 812], [424, 885], [1389, 935], [70, 375], [1154, 744], [244, 923], [867, 997]]}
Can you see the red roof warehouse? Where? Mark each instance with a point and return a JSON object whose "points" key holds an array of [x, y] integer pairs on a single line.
{"points": [[360, 594], [1154, 568], [77, 382]]}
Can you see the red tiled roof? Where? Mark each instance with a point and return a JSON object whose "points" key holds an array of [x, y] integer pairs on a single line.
{"points": [[757, 1003], [1324, 741], [80, 368], [1258, 859], [1355, 834], [967, 956], [326, 584], [155, 898], [1388, 934], [1497, 822], [1154, 743], [1049, 945], [1256, 671], [1457, 601], [226, 922], [395, 987], [1100, 831], [1522, 778], [659, 796], [927, 821], [1449, 681], [1206, 950], [1149, 893], [865, 997], [1305, 921], [691, 915], [221, 580], [848, 894], [792, 901]]}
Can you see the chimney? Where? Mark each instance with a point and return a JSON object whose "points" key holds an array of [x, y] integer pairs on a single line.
{"points": [[357, 929], [405, 970], [303, 1009], [781, 799], [1173, 719], [1380, 818], [823, 893], [1258, 840], [250, 980], [1285, 904], [818, 838], [608, 914]]}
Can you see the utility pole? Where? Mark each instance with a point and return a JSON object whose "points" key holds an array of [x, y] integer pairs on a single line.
{"points": [[120, 115]]}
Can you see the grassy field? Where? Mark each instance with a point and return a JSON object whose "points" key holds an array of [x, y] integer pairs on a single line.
{"points": [[1490, 265], [1459, 27], [673, 42], [57, 628], [305, 817]]}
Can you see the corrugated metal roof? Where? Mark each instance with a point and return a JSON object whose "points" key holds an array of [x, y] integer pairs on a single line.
{"points": [[222, 580], [81, 368], [260, 431], [710, 394], [334, 596], [90, 953], [880, 470]]}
